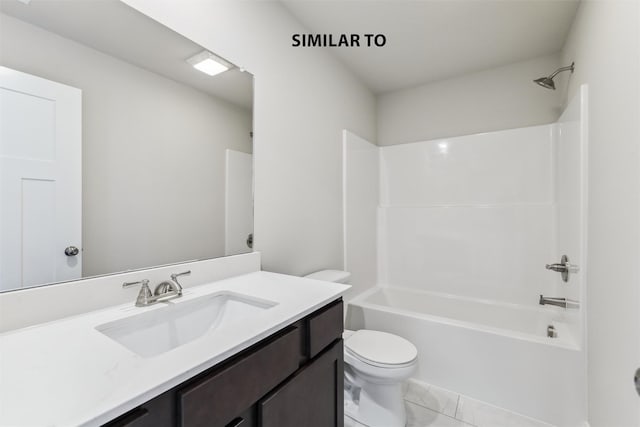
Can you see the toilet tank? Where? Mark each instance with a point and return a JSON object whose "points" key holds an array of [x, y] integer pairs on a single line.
{"points": [[336, 276]]}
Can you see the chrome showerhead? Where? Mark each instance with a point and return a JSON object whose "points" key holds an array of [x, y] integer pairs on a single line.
{"points": [[547, 82]]}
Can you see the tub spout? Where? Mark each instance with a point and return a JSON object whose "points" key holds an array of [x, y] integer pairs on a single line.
{"points": [[559, 302]]}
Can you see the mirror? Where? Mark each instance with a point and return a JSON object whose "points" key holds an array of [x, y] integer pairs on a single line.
{"points": [[116, 153]]}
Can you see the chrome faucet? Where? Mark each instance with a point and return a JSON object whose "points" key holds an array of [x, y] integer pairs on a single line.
{"points": [[165, 291], [171, 288], [559, 302]]}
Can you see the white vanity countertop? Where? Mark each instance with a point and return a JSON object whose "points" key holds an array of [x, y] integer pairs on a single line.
{"points": [[65, 372]]}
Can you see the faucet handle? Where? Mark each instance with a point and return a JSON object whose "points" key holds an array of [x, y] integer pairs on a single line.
{"points": [[174, 276], [144, 282], [564, 268], [145, 293]]}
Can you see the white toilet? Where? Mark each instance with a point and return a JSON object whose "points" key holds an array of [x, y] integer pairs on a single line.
{"points": [[376, 364]]}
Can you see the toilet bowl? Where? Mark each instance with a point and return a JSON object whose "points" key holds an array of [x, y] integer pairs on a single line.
{"points": [[375, 366]]}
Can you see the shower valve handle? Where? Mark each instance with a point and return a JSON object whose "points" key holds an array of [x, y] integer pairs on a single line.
{"points": [[560, 268], [564, 268]]}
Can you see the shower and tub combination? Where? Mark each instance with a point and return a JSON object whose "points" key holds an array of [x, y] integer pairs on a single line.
{"points": [[471, 232]]}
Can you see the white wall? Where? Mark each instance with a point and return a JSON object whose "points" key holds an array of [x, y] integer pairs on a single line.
{"points": [[361, 176], [153, 149], [605, 45], [490, 100], [471, 216], [303, 99]]}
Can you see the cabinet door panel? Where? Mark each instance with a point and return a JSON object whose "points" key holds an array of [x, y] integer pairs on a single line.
{"points": [[313, 397], [217, 398]]}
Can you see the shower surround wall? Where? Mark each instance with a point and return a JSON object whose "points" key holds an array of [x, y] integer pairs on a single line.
{"points": [[479, 216], [465, 228], [471, 216]]}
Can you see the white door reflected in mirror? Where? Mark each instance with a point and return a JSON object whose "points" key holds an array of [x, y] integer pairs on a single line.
{"points": [[40, 180]]}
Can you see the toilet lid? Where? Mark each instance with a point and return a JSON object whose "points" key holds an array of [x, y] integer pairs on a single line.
{"points": [[381, 348]]}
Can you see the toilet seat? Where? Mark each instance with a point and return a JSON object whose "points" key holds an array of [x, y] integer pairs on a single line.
{"points": [[381, 349]]}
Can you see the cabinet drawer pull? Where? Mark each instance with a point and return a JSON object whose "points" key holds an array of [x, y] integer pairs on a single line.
{"points": [[236, 422], [131, 418]]}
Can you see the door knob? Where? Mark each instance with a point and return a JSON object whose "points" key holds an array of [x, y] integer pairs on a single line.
{"points": [[636, 380], [71, 251]]}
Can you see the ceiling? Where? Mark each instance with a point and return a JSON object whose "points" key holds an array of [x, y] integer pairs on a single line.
{"points": [[114, 28], [432, 40]]}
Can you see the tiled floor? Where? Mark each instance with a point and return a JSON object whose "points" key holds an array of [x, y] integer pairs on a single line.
{"points": [[430, 406]]}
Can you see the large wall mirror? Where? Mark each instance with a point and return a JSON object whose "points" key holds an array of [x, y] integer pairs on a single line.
{"points": [[119, 150]]}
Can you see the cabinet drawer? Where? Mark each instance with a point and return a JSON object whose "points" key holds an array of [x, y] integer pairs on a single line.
{"points": [[217, 399], [324, 328]]}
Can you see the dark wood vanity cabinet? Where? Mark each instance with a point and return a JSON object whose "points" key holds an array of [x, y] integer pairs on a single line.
{"points": [[293, 378], [313, 396]]}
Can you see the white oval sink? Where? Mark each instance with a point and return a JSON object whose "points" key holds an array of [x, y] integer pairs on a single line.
{"points": [[158, 331]]}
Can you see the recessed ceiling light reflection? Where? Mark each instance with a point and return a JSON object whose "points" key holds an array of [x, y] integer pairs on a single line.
{"points": [[443, 147], [208, 63]]}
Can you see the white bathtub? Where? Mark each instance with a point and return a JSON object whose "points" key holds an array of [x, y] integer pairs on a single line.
{"points": [[491, 351]]}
